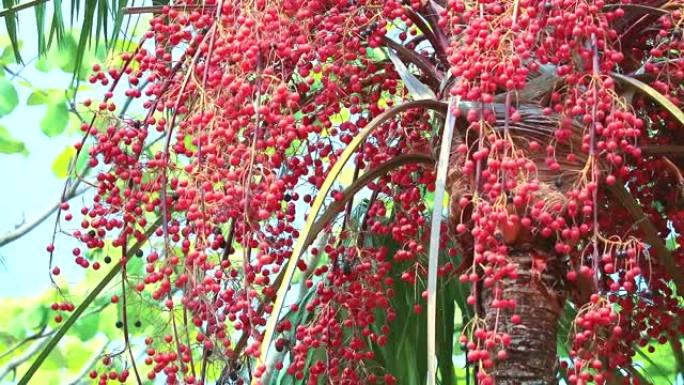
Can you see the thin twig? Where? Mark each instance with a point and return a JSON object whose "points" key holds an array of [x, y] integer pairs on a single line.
{"points": [[160, 8], [19, 360], [40, 334], [27, 227], [79, 378], [124, 310]]}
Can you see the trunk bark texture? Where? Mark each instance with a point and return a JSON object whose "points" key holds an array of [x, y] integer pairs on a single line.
{"points": [[539, 295]]}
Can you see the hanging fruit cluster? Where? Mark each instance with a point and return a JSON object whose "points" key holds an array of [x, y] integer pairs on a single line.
{"points": [[250, 104]]}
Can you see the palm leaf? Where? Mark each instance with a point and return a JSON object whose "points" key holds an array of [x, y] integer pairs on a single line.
{"points": [[95, 24], [10, 16], [360, 183], [658, 369], [671, 150], [86, 29], [638, 9], [40, 26], [57, 26], [403, 354]]}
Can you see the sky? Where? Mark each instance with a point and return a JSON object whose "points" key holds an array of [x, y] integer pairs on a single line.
{"points": [[31, 187]]}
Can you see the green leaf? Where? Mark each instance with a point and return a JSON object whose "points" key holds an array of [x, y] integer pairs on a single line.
{"points": [[85, 36], [33, 317], [39, 10], [37, 98], [55, 360], [9, 98], [7, 56], [82, 161], [8, 145], [56, 118], [341, 117], [87, 327], [65, 58], [60, 166]]}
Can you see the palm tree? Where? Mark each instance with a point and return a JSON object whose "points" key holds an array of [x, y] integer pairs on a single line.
{"points": [[560, 164]]}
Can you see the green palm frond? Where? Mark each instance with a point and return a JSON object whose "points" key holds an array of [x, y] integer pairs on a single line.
{"points": [[100, 21]]}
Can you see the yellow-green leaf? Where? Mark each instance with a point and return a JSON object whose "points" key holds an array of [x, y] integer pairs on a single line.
{"points": [[9, 145], [37, 97], [60, 166]]}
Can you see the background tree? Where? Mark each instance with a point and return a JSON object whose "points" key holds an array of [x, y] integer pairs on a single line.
{"points": [[552, 126]]}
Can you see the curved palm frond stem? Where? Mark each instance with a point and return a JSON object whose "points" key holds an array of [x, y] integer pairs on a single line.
{"points": [[435, 231], [619, 191], [306, 235]]}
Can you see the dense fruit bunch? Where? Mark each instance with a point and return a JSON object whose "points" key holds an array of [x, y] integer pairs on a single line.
{"points": [[250, 103]]}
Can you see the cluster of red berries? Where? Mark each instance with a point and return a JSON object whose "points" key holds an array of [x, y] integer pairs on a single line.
{"points": [[249, 104]]}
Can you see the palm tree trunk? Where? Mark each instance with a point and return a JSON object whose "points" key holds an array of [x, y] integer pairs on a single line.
{"points": [[538, 293]]}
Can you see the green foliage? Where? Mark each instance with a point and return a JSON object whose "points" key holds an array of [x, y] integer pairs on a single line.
{"points": [[6, 57], [11, 26], [404, 355], [9, 145], [101, 24], [63, 57], [9, 99], [57, 114], [87, 326], [56, 118]]}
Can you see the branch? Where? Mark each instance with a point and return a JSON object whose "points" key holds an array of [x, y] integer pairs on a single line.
{"points": [[17, 361], [671, 150], [25, 228], [40, 334], [16, 8], [678, 175]]}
